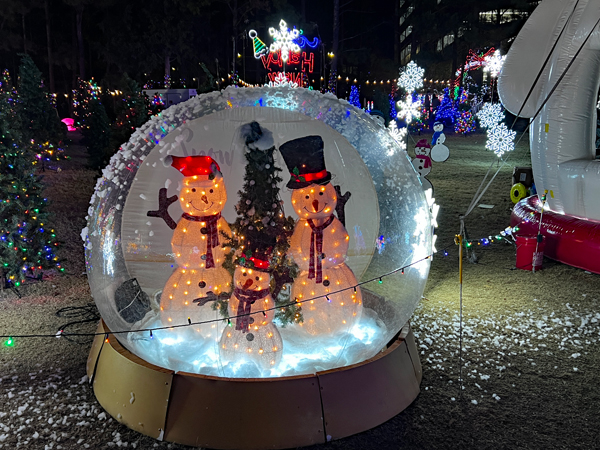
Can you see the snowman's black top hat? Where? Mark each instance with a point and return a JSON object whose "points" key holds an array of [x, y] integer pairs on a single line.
{"points": [[305, 160]]}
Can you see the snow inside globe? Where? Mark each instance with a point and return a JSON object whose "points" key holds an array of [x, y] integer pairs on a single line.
{"points": [[258, 232]]}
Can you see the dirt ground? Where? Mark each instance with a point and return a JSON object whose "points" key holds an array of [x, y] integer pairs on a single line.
{"points": [[530, 348]]}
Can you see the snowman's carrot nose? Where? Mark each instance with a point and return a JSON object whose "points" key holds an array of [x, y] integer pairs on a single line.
{"points": [[204, 199], [247, 284], [315, 205]]}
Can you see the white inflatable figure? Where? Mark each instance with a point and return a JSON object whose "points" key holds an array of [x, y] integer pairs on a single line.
{"points": [[439, 152], [199, 277], [422, 162], [252, 336], [562, 135], [319, 244]]}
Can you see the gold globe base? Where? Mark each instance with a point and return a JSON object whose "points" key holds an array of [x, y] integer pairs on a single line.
{"points": [[253, 413]]}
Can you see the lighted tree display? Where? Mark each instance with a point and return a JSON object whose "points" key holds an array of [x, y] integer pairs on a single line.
{"points": [[261, 221], [354, 96], [91, 118], [26, 243], [446, 112], [96, 131], [40, 121], [131, 112]]}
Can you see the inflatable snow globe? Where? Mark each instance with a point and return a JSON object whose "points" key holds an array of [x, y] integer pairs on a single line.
{"points": [[268, 242]]}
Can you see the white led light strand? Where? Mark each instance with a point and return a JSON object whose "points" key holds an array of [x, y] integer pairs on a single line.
{"points": [[409, 109], [493, 63], [411, 78], [500, 140], [281, 80], [399, 135], [490, 115], [284, 40]]}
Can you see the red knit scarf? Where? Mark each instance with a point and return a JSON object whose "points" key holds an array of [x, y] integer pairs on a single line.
{"points": [[317, 235], [247, 299], [212, 234], [426, 160]]}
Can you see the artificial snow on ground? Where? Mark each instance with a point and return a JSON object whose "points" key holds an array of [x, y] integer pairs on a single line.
{"points": [[55, 408]]}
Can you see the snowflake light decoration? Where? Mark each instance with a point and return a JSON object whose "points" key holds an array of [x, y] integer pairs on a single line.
{"points": [[409, 109], [493, 63], [281, 80], [490, 115], [399, 135], [284, 40], [411, 77], [500, 139]]}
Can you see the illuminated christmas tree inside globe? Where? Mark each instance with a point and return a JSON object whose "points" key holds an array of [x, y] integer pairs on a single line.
{"points": [[261, 232]]}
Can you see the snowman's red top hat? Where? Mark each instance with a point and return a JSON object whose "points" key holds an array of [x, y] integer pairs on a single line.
{"points": [[259, 250], [198, 165], [305, 161], [423, 143]]}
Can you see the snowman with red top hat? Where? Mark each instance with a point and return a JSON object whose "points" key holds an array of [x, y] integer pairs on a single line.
{"points": [[199, 277], [252, 336], [326, 286]]}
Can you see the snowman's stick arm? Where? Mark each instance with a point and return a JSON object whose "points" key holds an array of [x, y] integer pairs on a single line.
{"points": [[163, 208], [211, 297], [341, 204]]}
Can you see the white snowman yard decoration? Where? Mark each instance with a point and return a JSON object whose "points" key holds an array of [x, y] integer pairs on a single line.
{"points": [[439, 152], [326, 286], [422, 162], [253, 338], [199, 277]]}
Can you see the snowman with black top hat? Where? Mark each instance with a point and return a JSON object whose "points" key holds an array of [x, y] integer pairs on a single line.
{"points": [[326, 286]]}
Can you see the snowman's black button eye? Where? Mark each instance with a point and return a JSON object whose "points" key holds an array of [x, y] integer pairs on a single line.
{"points": [[245, 274], [257, 278], [193, 189], [211, 191], [320, 193], [307, 197]]}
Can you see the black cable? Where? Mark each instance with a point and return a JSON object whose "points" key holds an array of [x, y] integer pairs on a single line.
{"points": [[88, 313], [61, 332]]}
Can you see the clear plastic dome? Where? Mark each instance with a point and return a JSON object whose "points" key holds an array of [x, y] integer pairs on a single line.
{"points": [[370, 289]]}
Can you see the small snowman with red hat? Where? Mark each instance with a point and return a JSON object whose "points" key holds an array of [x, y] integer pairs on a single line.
{"points": [[326, 286], [422, 162], [251, 336], [199, 277]]}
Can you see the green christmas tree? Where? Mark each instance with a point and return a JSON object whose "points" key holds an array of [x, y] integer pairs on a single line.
{"points": [[92, 120], [27, 244], [132, 113], [40, 122], [261, 218], [96, 132]]}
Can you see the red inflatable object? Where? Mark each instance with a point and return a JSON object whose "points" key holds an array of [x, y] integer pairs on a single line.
{"points": [[527, 256], [570, 240]]}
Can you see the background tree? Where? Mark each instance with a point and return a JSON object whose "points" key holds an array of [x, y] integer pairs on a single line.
{"points": [[131, 113], [26, 244], [93, 121], [39, 119]]}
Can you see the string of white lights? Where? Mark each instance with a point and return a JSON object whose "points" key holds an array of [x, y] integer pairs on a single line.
{"points": [[191, 323]]}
